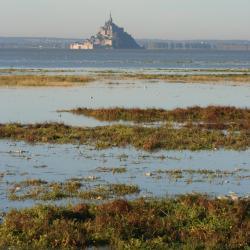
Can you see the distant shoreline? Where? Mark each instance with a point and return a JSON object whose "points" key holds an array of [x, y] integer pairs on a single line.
{"points": [[59, 78], [171, 45]]}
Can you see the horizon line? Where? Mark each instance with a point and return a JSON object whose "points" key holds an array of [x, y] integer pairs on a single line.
{"points": [[161, 39]]}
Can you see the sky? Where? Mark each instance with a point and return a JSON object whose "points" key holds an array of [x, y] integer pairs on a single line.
{"points": [[162, 19]]}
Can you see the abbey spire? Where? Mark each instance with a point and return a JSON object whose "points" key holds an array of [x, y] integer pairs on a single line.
{"points": [[110, 18]]}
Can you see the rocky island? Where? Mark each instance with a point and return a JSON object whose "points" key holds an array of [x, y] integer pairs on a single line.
{"points": [[109, 36]]}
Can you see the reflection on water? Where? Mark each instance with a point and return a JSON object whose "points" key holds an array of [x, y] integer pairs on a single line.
{"points": [[20, 161], [31, 105]]}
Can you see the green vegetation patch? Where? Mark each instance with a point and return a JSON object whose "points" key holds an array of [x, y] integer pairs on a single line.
{"points": [[201, 175], [42, 190], [116, 170], [120, 136], [44, 77], [185, 222]]}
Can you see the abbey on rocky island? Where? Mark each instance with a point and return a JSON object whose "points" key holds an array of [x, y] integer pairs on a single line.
{"points": [[109, 36]]}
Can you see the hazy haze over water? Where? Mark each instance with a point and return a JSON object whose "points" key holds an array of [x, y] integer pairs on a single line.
{"points": [[166, 19]]}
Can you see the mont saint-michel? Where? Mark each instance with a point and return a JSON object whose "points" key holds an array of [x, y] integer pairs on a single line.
{"points": [[109, 36]]}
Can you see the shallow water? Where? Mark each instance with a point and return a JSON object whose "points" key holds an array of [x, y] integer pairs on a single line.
{"points": [[32, 105], [120, 71], [61, 162], [126, 59]]}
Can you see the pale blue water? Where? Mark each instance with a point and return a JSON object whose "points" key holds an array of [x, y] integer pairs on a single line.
{"points": [[126, 59], [67, 161], [29, 105]]}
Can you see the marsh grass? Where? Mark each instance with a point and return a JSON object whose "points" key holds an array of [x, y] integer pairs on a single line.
{"points": [[188, 76], [32, 189], [185, 222], [42, 190], [214, 115], [43, 80], [31, 182], [39, 77], [121, 136], [202, 175], [192, 78], [115, 170]]}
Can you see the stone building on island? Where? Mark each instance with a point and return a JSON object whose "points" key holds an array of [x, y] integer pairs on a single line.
{"points": [[109, 36]]}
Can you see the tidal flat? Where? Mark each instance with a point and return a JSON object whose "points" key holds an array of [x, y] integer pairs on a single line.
{"points": [[139, 160], [76, 77], [47, 170]]}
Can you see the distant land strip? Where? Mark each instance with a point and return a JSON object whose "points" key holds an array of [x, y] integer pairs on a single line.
{"points": [[171, 45], [190, 78], [43, 80], [36, 80]]}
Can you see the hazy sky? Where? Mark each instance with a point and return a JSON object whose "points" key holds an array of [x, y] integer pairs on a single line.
{"points": [[166, 19]]}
